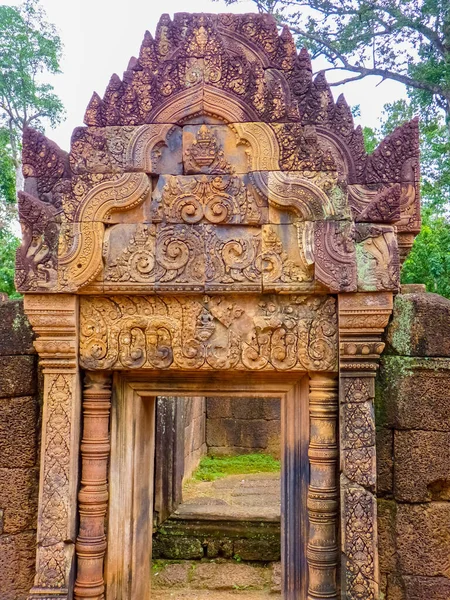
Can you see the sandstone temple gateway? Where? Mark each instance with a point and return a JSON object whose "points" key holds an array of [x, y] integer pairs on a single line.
{"points": [[216, 228]]}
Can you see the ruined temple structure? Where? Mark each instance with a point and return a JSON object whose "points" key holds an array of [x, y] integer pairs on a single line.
{"points": [[216, 228]]}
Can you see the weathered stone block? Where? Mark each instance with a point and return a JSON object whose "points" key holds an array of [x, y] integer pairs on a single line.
{"points": [[17, 559], [218, 407], [18, 436], [229, 576], [258, 549], [387, 510], [171, 576], [247, 408], [413, 393], [272, 408], [385, 461], [249, 434], [18, 376], [216, 434], [420, 325], [176, 547], [18, 499], [421, 466], [426, 588], [16, 335], [423, 539]]}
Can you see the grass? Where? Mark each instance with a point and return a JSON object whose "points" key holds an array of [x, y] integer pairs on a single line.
{"points": [[215, 467]]}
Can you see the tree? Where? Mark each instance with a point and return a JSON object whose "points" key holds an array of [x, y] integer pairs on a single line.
{"points": [[404, 40], [8, 240], [29, 49]]}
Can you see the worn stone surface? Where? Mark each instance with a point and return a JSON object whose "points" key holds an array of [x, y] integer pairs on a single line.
{"points": [[385, 460], [17, 559], [176, 547], [422, 466], [240, 426], [18, 499], [387, 512], [18, 376], [171, 575], [412, 393], [420, 325], [229, 576], [18, 432], [423, 539], [16, 335]]}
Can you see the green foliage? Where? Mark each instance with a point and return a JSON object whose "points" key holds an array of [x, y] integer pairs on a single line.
{"points": [[8, 246], [8, 241], [215, 467], [29, 49], [429, 259]]}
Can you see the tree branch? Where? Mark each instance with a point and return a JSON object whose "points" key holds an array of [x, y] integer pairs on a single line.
{"points": [[333, 54]]}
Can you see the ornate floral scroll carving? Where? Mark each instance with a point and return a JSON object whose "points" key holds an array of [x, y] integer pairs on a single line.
{"points": [[291, 191], [334, 252], [362, 318], [253, 332], [163, 257], [214, 199], [358, 534], [54, 319], [80, 254]]}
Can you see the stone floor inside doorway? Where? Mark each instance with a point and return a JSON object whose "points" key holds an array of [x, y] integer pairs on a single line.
{"points": [[246, 510]]}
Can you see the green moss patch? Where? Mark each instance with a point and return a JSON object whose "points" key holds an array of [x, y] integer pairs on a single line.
{"points": [[215, 467]]}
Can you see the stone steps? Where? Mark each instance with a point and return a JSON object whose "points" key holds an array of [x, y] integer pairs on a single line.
{"points": [[210, 579], [211, 595]]}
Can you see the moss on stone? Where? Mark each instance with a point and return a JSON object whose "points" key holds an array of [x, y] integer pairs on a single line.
{"points": [[401, 325]]}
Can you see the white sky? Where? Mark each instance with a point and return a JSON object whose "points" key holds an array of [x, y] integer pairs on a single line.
{"points": [[100, 36]]}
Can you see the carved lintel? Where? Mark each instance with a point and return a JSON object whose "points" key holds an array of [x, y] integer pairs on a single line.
{"points": [[93, 495], [362, 319], [54, 319], [322, 552]]}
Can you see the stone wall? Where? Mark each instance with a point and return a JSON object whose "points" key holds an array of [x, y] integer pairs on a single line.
{"points": [[194, 433], [413, 444], [19, 420], [243, 426]]}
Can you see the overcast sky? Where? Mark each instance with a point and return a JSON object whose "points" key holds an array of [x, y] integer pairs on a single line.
{"points": [[100, 36]]}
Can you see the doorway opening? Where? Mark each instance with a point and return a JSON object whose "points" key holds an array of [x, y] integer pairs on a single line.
{"points": [[254, 540], [217, 497]]}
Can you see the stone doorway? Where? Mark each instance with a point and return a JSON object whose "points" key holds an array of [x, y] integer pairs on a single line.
{"points": [[128, 560], [211, 222]]}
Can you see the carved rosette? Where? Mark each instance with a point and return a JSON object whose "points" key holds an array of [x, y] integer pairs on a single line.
{"points": [[362, 319], [54, 319]]}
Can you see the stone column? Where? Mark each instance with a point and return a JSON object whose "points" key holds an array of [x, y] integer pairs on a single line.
{"points": [[322, 552], [93, 495], [55, 320], [362, 319]]}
